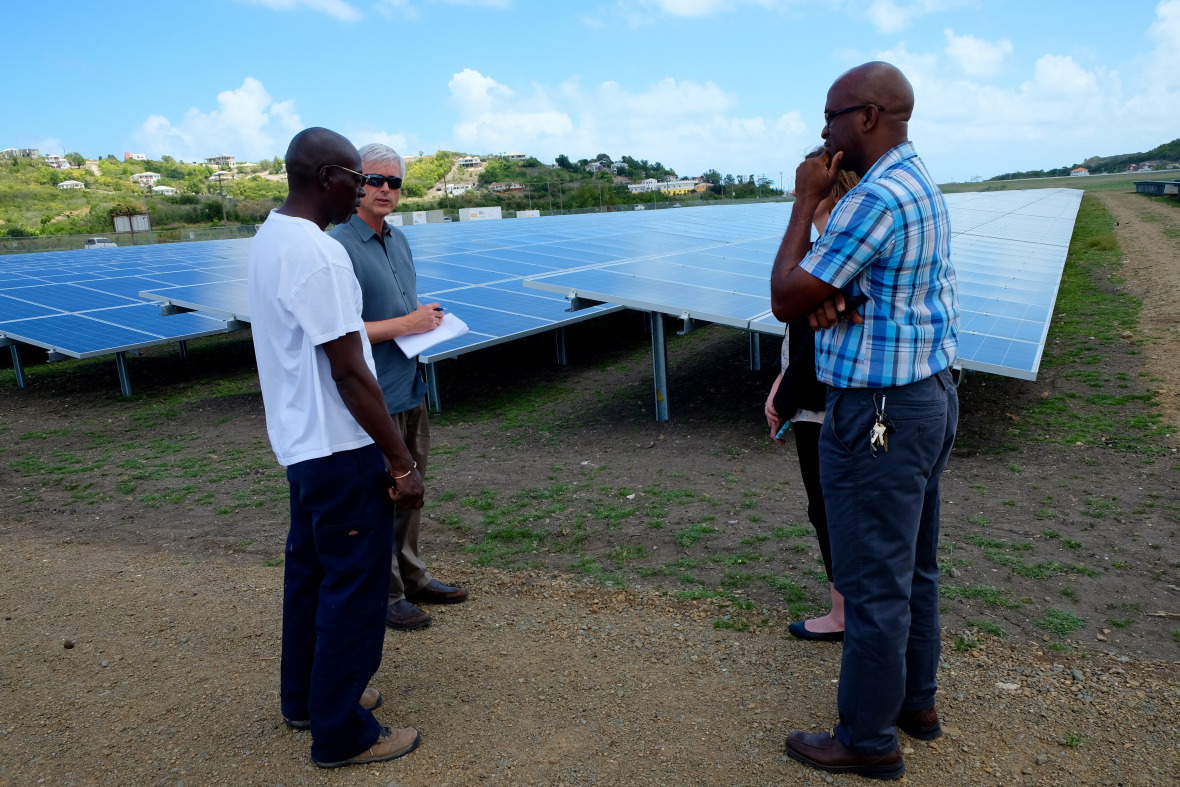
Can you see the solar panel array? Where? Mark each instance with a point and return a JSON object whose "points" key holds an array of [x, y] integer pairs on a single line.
{"points": [[477, 269], [509, 279], [87, 302], [1008, 249]]}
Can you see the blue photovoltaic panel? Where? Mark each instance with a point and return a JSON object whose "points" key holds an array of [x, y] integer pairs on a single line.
{"points": [[146, 317], [82, 336], [227, 300], [1008, 249], [84, 303], [66, 297], [12, 309]]}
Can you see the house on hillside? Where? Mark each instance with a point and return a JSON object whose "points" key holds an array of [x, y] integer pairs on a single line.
{"points": [[670, 187], [515, 156], [222, 162], [469, 161], [71, 184], [146, 178], [503, 185], [164, 191], [57, 162], [20, 153], [1078, 172], [455, 189], [134, 156]]}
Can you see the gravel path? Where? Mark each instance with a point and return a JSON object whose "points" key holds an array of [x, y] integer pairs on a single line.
{"points": [[129, 668]]}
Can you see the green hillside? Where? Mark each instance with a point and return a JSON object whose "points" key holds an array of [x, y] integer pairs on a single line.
{"points": [[1165, 156]]}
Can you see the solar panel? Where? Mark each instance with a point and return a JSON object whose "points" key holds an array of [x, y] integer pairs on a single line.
{"points": [[82, 304], [1008, 249]]}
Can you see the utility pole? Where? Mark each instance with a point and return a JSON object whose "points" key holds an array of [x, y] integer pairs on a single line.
{"points": [[549, 191], [780, 183]]}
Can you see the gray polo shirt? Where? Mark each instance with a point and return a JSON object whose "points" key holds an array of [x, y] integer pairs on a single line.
{"points": [[389, 288]]}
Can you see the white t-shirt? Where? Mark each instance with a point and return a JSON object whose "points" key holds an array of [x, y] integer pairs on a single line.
{"points": [[303, 293]]}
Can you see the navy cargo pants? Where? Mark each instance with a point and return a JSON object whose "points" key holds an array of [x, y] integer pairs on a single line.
{"points": [[335, 593], [883, 522]]}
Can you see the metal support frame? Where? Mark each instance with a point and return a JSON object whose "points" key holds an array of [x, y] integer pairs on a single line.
{"points": [[659, 363], [17, 367], [124, 380], [53, 356], [183, 345], [755, 351], [432, 398], [562, 360], [168, 309], [690, 324]]}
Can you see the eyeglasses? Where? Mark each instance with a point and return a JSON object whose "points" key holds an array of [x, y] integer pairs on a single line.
{"points": [[376, 181], [829, 115], [360, 175]]}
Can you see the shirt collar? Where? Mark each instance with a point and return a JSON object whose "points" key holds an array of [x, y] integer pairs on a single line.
{"points": [[892, 156], [364, 230]]}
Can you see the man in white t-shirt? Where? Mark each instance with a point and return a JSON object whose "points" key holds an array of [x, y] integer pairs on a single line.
{"points": [[328, 424]]}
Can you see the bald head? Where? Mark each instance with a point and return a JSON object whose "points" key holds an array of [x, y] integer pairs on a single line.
{"points": [[867, 111], [314, 148], [882, 84]]}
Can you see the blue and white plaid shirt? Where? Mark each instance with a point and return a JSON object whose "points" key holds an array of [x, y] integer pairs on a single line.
{"points": [[889, 238]]}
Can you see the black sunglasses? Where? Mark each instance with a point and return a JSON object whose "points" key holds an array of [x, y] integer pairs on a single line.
{"points": [[376, 181], [346, 169], [829, 115]]}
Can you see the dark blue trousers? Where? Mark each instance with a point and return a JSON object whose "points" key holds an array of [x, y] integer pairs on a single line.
{"points": [[335, 593], [883, 523]]}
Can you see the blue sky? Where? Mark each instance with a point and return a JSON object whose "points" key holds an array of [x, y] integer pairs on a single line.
{"points": [[735, 85]]}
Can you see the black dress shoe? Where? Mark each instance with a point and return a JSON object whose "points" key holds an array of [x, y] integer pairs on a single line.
{"points": [[436, 592], [404, 616], [824, 751], [799, 629]]}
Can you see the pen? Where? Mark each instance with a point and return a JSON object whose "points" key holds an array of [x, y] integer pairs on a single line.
{"points": [[438, 308]]}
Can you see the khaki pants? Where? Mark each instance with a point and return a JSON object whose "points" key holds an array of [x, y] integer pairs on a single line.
{"points": [[408, 570]]}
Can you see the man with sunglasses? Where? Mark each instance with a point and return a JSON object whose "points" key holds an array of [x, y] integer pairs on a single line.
{"points": [[892, 410], [328, 424], [384, 267]]}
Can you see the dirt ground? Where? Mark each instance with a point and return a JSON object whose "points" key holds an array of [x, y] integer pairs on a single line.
{"points": [[632, 581]]}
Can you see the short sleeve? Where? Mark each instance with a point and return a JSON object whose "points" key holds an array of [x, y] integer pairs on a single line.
{"points": [[325, 303], [859, 230]]}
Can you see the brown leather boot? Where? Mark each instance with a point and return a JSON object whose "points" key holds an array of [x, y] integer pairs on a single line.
{"points": [[824, 751], [921, 724]]}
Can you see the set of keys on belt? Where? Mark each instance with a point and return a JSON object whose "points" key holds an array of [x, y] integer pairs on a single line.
{"points": [[881, 429]]}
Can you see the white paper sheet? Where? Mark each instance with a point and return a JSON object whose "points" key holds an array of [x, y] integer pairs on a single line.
{"points": [[413, 344]]}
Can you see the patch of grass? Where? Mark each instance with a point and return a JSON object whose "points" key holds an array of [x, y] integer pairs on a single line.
{"points": [[172, 496], [45, 434], [1050, 534], [978, 519], [794, 531], [1070, 543], [1071, 594], [1073, 740], [693, 534], [612, 514], [1099, 507], [274, 561], [987, 627], [1120, 623], [501, 544], [980, 592], [591, 568], [619, 555], [755, 539], [739, 559], [1059, 622]]}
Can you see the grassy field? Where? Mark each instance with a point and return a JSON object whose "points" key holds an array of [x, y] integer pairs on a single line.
{"points": [[1122, 181]]}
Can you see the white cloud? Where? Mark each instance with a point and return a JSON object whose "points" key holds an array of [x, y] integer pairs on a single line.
{"points": [[248, 123], [893, 16], [690, 126], [977, 58], [334, 8]]}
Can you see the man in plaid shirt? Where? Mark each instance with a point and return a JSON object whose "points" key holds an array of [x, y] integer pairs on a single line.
{"points": [[892, 409]]}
